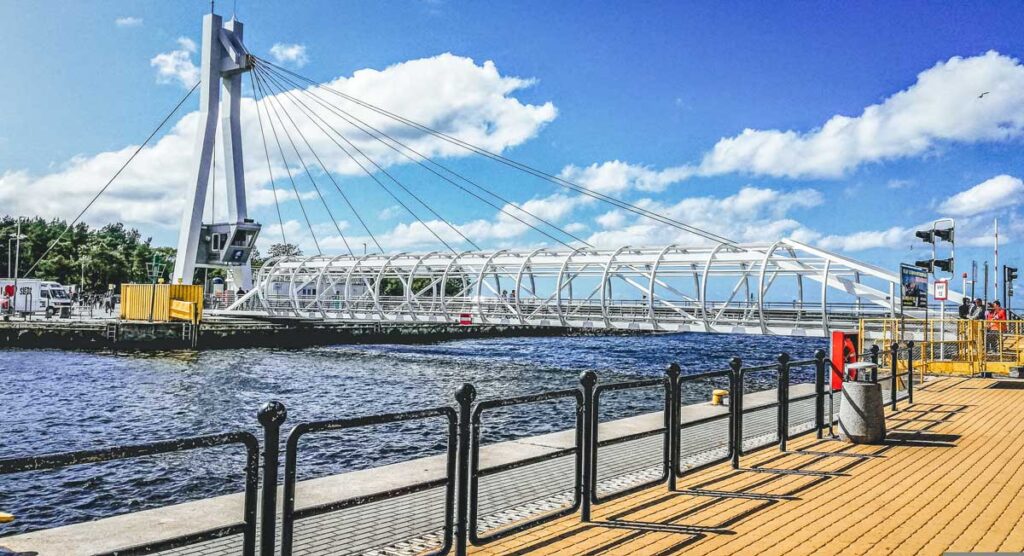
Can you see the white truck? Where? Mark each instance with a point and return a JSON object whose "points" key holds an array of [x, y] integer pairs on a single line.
{"points": [[34, 296]]}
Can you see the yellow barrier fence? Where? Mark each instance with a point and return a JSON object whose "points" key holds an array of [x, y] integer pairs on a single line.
{"points": [[162, 302], [950, 346]]}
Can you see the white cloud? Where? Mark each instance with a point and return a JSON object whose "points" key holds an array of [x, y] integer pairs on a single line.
{"points": [[993, 194], [177, 65], [616, 177], [859, 241], [942, 106], [612, 219], [128, 21], [750, 215], [450, 93], [293, 54], [390, 212]]}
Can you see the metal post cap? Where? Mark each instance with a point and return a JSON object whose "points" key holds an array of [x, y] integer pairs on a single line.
{"points": [[466, 393], [783, 358], [735, 362], [820, 355], [272, 413], [673, 370], [588, 378]]}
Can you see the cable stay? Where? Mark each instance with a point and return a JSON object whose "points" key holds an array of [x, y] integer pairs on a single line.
{"points": [[270, 167], [111, 180], [423, 161], [561, 182], [305, 168], [358, 216], [291, 178], [371, 174]]}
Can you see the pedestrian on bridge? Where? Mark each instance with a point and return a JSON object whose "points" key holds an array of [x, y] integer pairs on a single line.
{"points": [[977, 310], [964, 309]]}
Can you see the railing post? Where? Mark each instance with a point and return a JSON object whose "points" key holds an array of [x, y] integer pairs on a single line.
{"points": [[783, 399], [819, 392], [910, 371], [874, 360], [673, 422], [736, 408], [464, 396], [588, 379], [270, 416], [893, 364]]}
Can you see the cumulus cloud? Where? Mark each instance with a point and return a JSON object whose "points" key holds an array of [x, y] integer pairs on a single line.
{"points": [[750, 215], [616, 177], [292, 54], [996, 193], [176, 66], [450, 93], [942, 106], [128, 21], [973, 208]]}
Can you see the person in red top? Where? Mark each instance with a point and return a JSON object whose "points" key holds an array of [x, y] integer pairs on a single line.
{"points": [[997, 325]]}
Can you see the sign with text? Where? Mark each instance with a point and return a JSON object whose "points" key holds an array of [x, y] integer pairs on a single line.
{"points": [[941, 290], [913, 287]]}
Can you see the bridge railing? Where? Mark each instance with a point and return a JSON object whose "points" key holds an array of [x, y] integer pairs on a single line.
{"points": [[675, 441]]}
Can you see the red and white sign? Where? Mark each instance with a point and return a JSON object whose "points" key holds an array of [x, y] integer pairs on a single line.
{"points": [[941, 290], [465, 319]]}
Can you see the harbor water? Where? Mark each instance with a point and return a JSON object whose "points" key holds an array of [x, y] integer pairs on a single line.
{"points": [[61, 400]]}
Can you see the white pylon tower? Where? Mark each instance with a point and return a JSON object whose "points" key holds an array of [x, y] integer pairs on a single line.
{"points": [[221, 245]]}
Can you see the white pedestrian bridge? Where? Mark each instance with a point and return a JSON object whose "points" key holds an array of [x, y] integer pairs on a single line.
{"points": [[783, 288]]}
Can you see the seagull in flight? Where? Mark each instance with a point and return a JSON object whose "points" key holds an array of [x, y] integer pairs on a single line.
{"points": [[983, 94]]}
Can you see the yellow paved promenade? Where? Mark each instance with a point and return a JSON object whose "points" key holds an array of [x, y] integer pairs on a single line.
{"points": [[951, 478]]}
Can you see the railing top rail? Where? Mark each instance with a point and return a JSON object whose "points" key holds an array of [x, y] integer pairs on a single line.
{"points": [[529, 398], [100, 455], [629, 384], [760, 368], [704, 375], [371, 420]]}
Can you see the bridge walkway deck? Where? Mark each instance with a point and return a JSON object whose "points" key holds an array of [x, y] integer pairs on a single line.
{"points": [[949, 478]]}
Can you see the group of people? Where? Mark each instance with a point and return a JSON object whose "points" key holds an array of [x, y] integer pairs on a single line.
{"points": [[978, 310], [993, 313]]}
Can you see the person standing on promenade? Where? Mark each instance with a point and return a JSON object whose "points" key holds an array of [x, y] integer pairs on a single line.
{"points": [[964, 309]]}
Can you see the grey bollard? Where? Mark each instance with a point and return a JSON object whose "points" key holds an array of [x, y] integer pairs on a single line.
{"points": [[861, 414]]}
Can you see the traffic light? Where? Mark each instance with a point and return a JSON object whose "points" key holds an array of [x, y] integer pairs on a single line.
{"points": [[945, 235], [928, 236], [1009, 273], [927, 264], [945, 265]]}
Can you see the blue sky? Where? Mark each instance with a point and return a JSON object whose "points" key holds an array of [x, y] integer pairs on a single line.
{"points": [[653, 88]]}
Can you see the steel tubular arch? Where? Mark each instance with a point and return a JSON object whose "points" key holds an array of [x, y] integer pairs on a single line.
{"points": [[246, 527], [290, 514], [760, 285], [480, 305], [410, 295], [349, 303], [519, 283], [704, 285], [475, 473], [444, 281], [651, 283], [606, 286], [560, 285], [380, 279]]}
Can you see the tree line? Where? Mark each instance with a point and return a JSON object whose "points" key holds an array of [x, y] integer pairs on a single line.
{"points": [[114, 254], [95, 257]]}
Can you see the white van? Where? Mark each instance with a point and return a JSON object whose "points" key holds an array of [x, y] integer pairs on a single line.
{"points": [[34, 296]]}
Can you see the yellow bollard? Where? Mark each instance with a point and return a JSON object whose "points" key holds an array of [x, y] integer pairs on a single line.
{"points": [[717, 394], [6, 517]]}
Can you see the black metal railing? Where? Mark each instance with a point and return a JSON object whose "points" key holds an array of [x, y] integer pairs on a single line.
{"points": [[596, 443], [289, 514], [475, 473], [246, 527], [462, 465]]}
